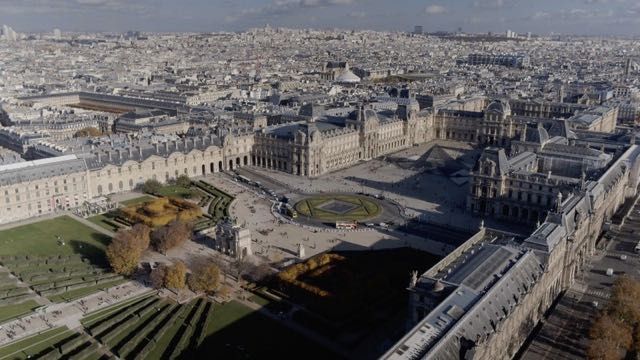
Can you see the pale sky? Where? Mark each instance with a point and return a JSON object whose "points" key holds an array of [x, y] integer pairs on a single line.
{"points": [[591, 17]]}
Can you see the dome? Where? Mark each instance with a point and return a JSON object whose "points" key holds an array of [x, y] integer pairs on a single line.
{"points": [[347, 77], [499, 106]]}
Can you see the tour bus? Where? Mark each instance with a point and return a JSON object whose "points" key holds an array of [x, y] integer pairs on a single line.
{"points": [[287, 210], [346, 225], [244, 179]]}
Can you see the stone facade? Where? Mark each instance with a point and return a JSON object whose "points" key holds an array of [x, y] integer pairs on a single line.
{"points": [[483, 299]]}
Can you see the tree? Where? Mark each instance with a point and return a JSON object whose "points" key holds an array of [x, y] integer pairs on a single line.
{"points": [[205, 277], [183, 181], [123, 253], [141, 234], [624, 304], [151, 186], [157, 276], [609, 336], [617, 329], [176, 276], [241, 266], [127, 247], [171, 235], [258, 273]]}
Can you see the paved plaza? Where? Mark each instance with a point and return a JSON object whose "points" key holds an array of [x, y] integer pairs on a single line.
{"points": [[400, 177]]}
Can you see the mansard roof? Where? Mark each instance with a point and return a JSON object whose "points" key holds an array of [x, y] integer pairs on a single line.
{"points": [[40, 169]]}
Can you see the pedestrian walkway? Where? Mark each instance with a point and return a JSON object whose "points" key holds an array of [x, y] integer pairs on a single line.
{"points": [[68, 314], [91, 225]]}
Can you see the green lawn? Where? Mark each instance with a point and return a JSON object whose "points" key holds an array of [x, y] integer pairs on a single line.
{"points": [[40, 239], [8, 312], [176, 191], [138, 200], [105, 221], [33, 345], [237, 331]]}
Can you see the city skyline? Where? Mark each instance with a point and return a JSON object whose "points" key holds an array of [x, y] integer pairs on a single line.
{"points": [[580, 17]]}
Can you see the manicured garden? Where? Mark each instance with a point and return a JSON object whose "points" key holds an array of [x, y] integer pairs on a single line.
{"points": [[217, 203], [15, 300], [338, 207], [60, 259], [36, 345], [112, 220], [151, 328], [60, 277]]}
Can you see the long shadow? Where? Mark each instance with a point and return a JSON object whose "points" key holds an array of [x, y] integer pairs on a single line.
{"points": [[95, 254], [255, 336]]}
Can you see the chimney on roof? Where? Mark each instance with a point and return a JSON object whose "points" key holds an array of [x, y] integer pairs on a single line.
{"points": [[140, 151], [99, 156], [119, 151], [110, 156], [130, 152], [157, 148], [166, 147]]}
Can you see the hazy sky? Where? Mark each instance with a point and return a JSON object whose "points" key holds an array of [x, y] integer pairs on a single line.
{"points": [[537, 16]]}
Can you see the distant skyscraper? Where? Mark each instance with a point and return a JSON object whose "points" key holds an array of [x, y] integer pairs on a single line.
{"points": [[418, 29], [8, 34], [57, 34], [627, 67]]}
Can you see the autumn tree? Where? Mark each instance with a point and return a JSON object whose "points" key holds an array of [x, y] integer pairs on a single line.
{"points": [[609, 337], [141, 234], [624, 304], [126, 248], [171, 235], [617, 330], [176, 276], [205, 277], [123, 253]]}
